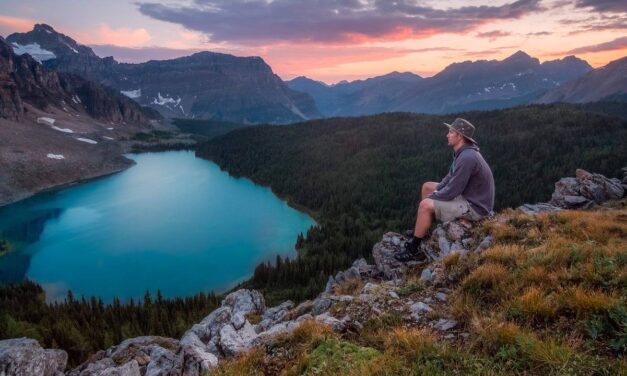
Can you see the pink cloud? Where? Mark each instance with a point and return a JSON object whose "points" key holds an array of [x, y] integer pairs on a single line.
{"points": [[123, 37]]}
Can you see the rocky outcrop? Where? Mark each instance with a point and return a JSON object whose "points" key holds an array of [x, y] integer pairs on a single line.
{"points": [[25, 357], [580, 192]]}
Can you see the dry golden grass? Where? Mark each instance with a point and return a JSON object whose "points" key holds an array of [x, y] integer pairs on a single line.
{"points": [[451, 260], [350, 287], [584, 302]]}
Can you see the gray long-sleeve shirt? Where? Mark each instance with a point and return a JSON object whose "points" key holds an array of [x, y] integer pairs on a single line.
{"points": [[471, 177]]}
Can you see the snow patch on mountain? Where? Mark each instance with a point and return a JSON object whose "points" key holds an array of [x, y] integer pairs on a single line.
{"points": [[55, 156], [87, 140], [33, 50], [164, 101], [64, 130], [45, 120], [132, 93]]}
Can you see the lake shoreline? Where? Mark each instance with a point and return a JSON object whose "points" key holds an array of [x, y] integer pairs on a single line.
{"points": [[112, 228]]}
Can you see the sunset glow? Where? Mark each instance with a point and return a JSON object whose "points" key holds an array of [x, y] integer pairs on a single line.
{"points": [[333, 40]]}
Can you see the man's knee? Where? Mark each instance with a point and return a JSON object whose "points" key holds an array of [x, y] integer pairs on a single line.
{"points": [[426, 205]]}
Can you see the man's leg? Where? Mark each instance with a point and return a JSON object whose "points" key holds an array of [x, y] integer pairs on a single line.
{"points": [[428, 188], [423, 221], [426, 209]]}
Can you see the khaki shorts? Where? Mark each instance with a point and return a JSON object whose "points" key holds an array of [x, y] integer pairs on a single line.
{"points": [[456, 208]]}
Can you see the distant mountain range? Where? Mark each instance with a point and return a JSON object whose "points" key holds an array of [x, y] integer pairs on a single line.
{"points": [[205, 85], [471, 85], [244, 90]]}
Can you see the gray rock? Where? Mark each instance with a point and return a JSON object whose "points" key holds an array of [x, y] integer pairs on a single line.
{"points": [[383, 254], [364, 269], [425, 276], [161, 355], [419, 308], [443, 243], [348, 275], [584, 189], [485, 244], [274, 315], [238, 320], [320, 305], [245, 301], [197, 360], [327, 319], [164, 363], [302, 308], [454, 231], [127, 369], [393, 294], [445, 324], [369, 288], [210, 326], [331, 284], [231, 342], [24, 357], [441, 296]]}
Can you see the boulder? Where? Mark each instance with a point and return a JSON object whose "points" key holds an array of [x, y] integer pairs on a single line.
{"points": [[234, 342], [585, 189], [136, 355], [25, 357], [245, 301], [383, 254], [274, 315]]}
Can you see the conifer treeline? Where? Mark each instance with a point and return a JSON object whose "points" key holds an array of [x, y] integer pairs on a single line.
{"points": [[362, 176], [83, 326]]}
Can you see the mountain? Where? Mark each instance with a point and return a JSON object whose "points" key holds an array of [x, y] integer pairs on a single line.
{"points": [[57, 128], [469, 85], [205, 85], [608, 83], [359, 97], [485, 85]]}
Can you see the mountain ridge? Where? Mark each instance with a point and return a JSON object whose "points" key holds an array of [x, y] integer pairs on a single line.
{"points": [[204, 85]]}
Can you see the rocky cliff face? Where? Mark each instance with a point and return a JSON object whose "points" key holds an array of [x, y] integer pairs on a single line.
{"points": [[26, 80], [351, 299], [205, 85], [58, 128]]}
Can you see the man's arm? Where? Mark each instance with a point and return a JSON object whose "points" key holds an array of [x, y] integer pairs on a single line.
{"points": [[444, 181], [454, 186]]}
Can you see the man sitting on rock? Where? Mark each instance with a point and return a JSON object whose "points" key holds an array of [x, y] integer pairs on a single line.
{"points": [[467, 191]]}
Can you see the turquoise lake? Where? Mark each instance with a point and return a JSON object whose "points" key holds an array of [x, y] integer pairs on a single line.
{"points": [[172, 222]]}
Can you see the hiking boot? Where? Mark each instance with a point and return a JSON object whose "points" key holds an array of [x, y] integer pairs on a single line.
{"points": [[412, 251], [407, 255]]}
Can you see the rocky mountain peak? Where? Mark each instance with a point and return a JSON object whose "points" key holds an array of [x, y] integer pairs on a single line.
{"points": [[44, 38]]}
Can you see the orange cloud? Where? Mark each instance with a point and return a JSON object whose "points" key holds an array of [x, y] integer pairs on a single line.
{"points": [[13, 24]]}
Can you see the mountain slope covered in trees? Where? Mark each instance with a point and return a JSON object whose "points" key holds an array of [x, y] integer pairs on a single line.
{"points": [[362, 176]]}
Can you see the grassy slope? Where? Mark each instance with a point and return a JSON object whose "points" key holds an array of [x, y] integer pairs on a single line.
{"points": [[548, 298]]}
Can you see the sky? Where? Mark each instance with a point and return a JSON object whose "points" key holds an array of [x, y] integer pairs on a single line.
{"points": [[334, 40]]}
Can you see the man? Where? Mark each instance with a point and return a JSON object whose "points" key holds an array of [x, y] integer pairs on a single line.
{"points": [[467, 191]]}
